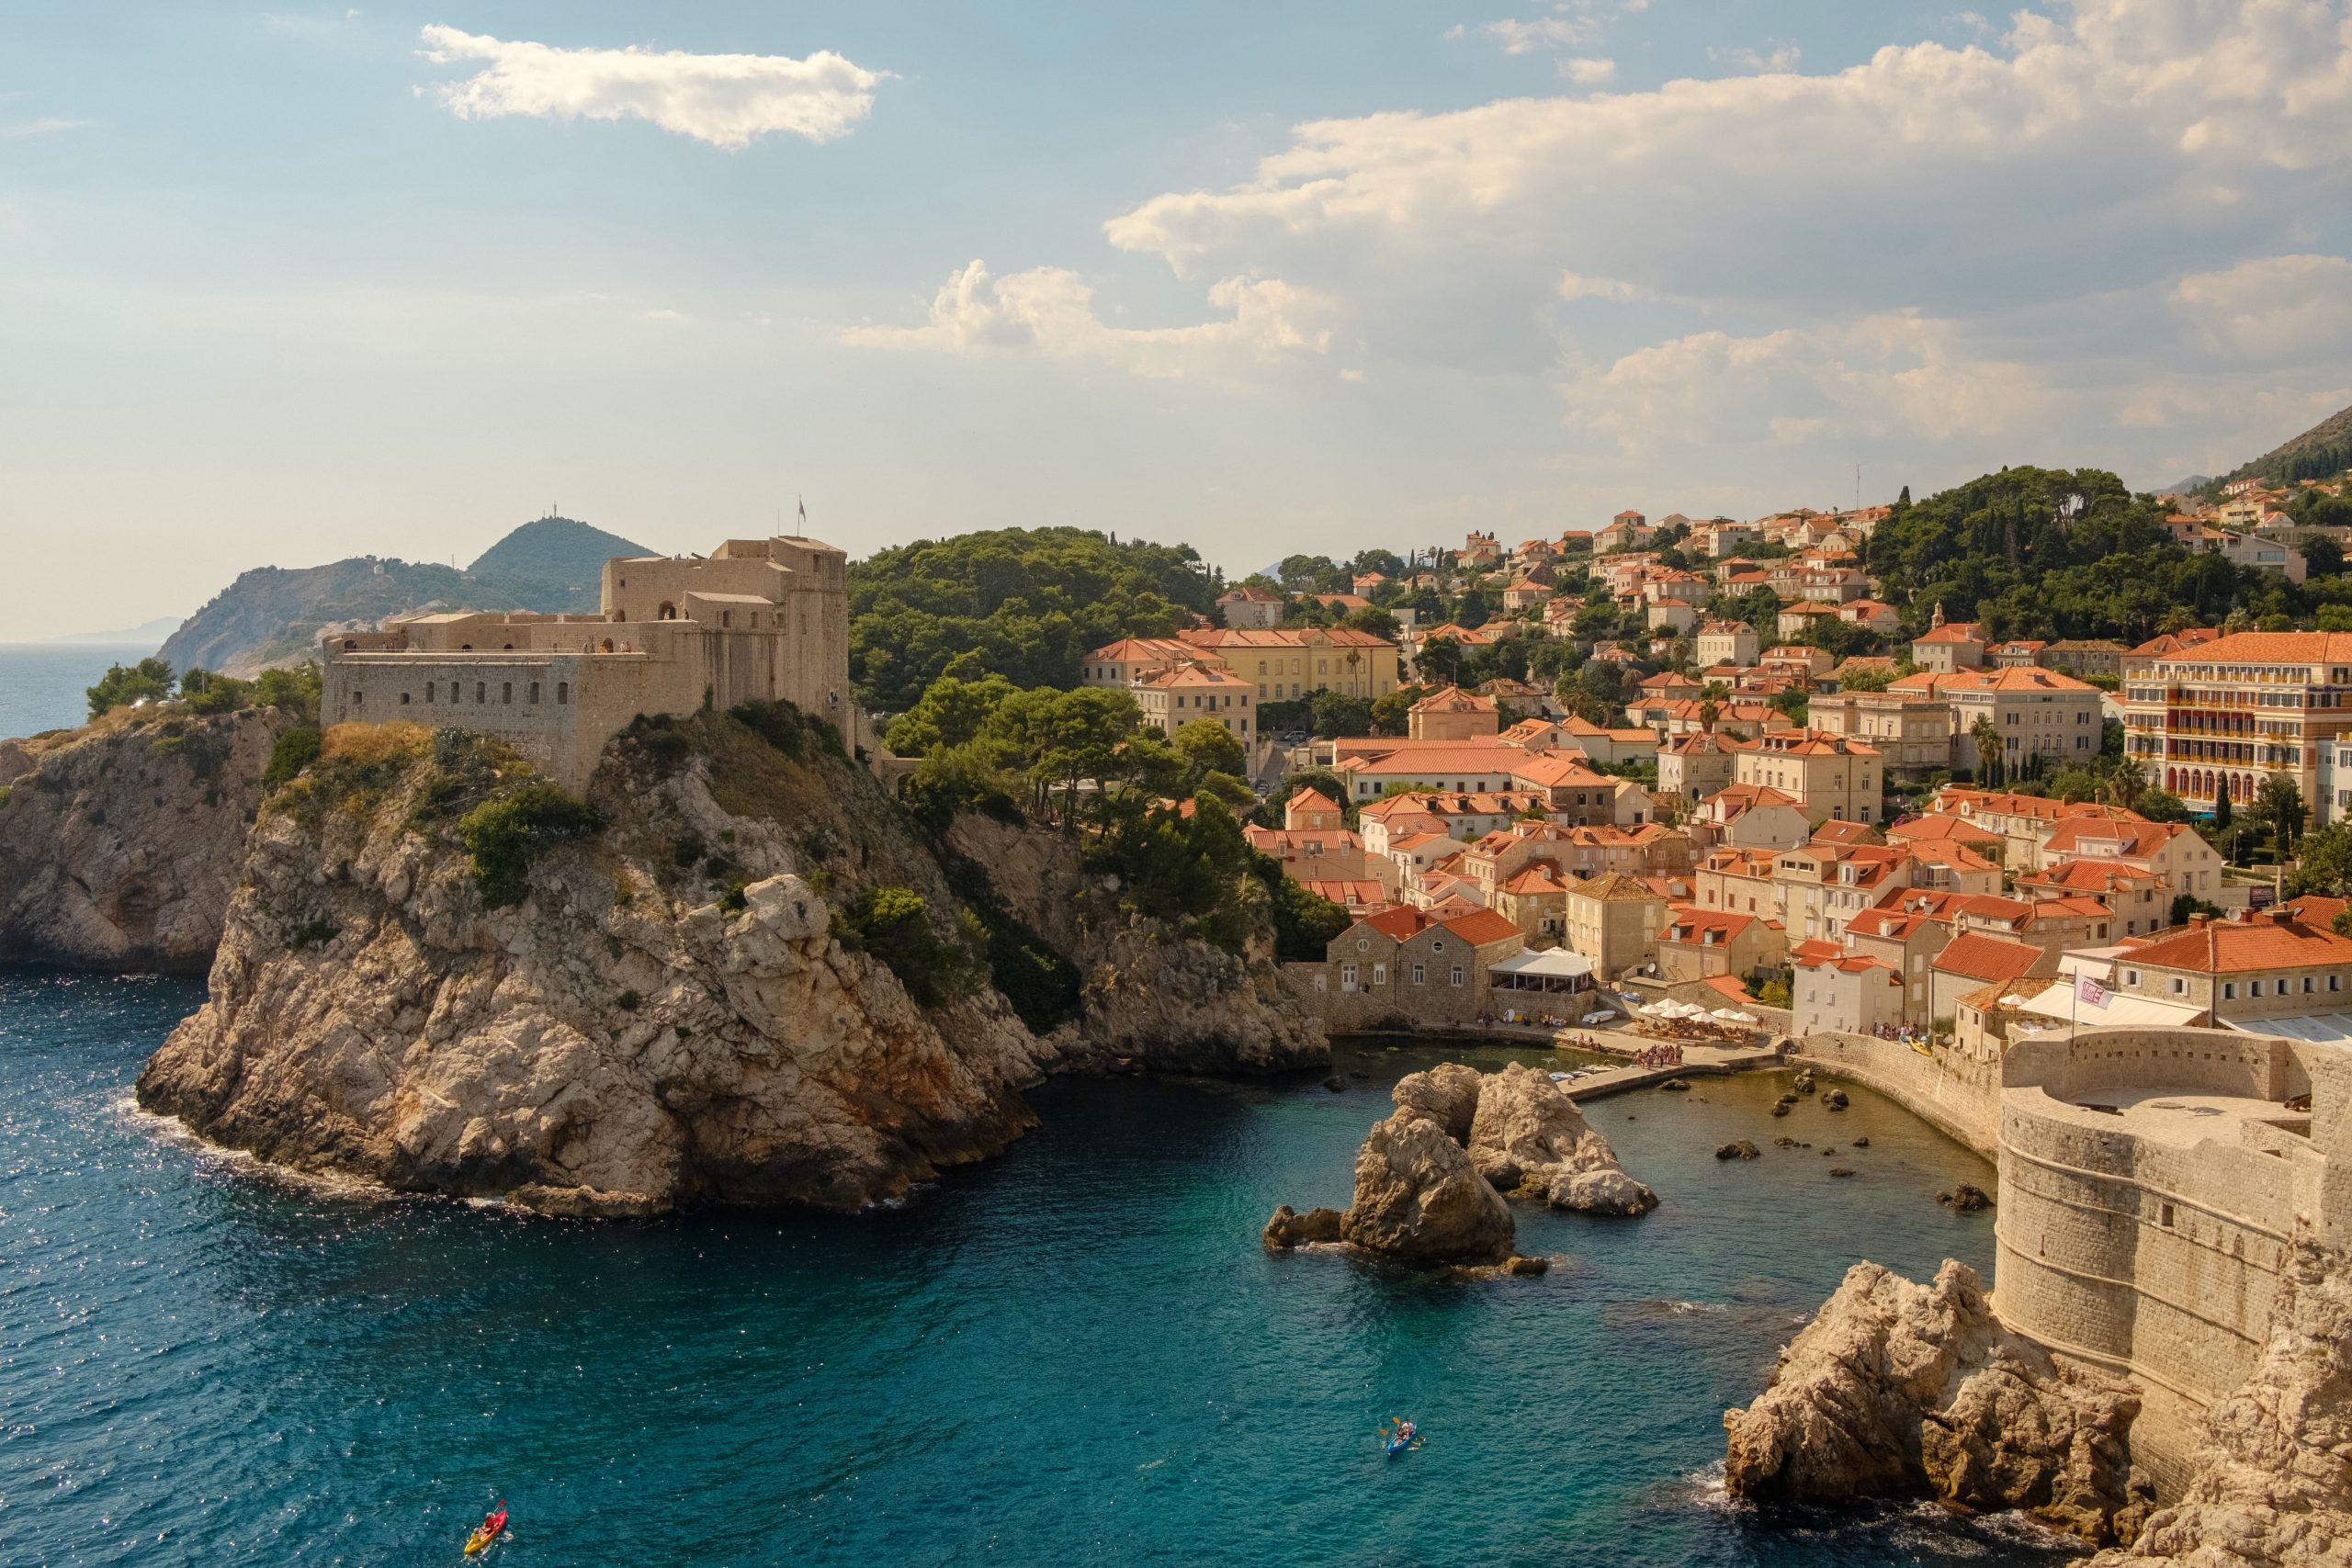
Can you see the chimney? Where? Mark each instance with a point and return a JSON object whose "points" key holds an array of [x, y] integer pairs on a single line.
{"points": [[2198, 919]]}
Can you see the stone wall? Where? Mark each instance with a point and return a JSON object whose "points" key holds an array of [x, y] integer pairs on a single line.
{"points": [[1961, 1097], [2158, 1260]]}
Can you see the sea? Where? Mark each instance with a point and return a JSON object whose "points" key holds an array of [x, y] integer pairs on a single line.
{"points": [[43, 685], [1077, 1353]]}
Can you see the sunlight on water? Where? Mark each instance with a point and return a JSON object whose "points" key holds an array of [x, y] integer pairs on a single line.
{"points": [[1076, 1354]]}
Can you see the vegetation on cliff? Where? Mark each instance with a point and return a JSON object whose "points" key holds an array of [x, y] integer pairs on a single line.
{"points": [[2321, 451], [1026, 604]]}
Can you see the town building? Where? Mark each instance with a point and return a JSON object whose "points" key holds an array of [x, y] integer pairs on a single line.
{"points": [[1949, 646], [1831, 777], [1910, 730], [1698, 945], [2220, 713], [1971, 962], [1250, 607], [1835, 991], [1172, 699], [1726, 642], [1287, 663], [1453, 713], [755, 620], [2268, 973], [2038, 713], [1613, 920], [1407, 968]]}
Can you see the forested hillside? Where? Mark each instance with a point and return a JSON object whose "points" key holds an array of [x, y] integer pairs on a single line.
{"points": [[1026, 604], [2323, 450]]}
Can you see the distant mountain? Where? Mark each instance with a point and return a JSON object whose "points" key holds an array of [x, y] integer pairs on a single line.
{"points": [[274, 616], [2324, 449], [147, 634]]}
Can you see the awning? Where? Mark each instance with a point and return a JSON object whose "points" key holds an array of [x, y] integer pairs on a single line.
{"points": [[2319, 1028], [1558, 964], [2121, 1011]]}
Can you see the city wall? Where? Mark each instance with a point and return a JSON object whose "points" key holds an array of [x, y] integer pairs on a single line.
{"points": [[2157, 1254], [1957, 1095]]}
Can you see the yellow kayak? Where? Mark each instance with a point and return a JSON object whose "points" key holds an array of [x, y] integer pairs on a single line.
{"points": [[486, 1532]]}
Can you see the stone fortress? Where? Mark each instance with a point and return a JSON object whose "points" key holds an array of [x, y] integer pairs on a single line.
{"points": [[756, 619], [2154, 1187]]}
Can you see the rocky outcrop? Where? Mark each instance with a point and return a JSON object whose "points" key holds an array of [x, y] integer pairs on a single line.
{"points": [[665, 1016], [120, 843], [2273, 1477], [1290, 1228], [1174, 1003], [1529, 1139], [1900, 1388], [1419, 1199], [1427, 1180]]}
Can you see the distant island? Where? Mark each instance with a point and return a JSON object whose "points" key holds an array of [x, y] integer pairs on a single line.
{"points": [[146, 634], [273, 615]]}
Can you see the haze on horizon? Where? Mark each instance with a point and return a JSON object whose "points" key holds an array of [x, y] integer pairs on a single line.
{"points": [[296, 282]]}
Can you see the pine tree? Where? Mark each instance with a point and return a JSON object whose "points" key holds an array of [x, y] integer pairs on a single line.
{"points": [[2222, 806]]}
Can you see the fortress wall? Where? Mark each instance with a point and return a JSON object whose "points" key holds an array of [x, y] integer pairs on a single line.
{"points": [[493, 693], [1960, 1097], [2156, 1261]]}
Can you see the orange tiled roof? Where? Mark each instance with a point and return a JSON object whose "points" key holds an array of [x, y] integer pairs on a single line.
{"points": [[2234, 946], [1988, 957]]}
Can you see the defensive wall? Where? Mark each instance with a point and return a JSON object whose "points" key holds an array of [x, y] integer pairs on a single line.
{"points": [[2151, 1184], [1959, 1095]]}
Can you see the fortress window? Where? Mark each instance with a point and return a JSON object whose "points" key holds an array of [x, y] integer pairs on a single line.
{"points": [[359, 699], [403, 699], [562, 692], [481, 691], [726, 618], [428, 694], [535, 691], [2163, 1216], [507, 695]]}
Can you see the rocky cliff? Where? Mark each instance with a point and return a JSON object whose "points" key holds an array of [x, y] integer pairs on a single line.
{"points": [[1174, 1003], [2273, 1481], [1898, 1389], [121, 842], [737, 974]]}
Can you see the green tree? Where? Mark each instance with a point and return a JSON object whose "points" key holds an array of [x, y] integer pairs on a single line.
{"points": [[951, 713], [1440, 662], [1373, 620], [2221, 812], [1335, 716], [1987, 737], [2322, 862], [1207, 747], [122, 685], [1393, 714]]}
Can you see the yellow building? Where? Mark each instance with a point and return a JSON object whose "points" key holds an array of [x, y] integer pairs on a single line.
{"points": [[1172, 699], [1299, 662], [1831, 777]]}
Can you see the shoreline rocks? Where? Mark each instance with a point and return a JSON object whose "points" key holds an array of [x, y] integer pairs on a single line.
{"points": [[1529, 1139], [1420, 1200], [1898, 1389]]}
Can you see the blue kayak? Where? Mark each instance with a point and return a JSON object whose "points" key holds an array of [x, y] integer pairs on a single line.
{"points": [[1403, 1436]]}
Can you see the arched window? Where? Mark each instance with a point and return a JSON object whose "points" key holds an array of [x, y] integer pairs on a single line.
{"points": [[608, 647], [668, 612]]}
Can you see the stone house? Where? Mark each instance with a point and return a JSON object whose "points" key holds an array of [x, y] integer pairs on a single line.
{"points": [[1453, 713], [2137, 901], [1613, 920], [1969, 962], [1698, 945], [1172, 699], [1407, 969], [1250, 608], [1831, 777], [1949, 646], [2269, 973], [1834, 991], [1726, 642], [1693, 767], [1912, 731]]}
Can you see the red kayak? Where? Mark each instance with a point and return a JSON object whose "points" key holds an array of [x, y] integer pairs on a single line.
{"points": [[488, 1531]]}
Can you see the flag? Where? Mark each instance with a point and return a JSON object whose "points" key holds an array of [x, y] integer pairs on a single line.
{"points": [[804, 509], [2089, 990]]}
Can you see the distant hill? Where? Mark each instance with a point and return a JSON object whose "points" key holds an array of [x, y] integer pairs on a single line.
{"points": [[146, 634], [274, 616], [2324, 449]]}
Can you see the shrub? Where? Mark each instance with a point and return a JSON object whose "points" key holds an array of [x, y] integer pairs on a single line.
{"points": [[295, 749], [1775, 993], [629, 1001], [789, 730], [206, 692], [732, 901], [507, 832], [894, 925]]}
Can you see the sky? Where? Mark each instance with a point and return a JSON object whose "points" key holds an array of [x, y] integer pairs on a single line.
{"points": [[288, 284]]}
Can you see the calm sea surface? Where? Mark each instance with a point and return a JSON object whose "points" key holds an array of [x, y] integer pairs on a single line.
{"points": [[42, 685], [1076, 1354]]}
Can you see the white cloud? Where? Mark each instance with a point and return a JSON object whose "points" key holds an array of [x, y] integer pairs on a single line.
{"points": [[2270, 308], [1048, 312], [1571, 24], [51, 125], [1587, 72], [1882, 376], [1782, 57], [724, 99]]}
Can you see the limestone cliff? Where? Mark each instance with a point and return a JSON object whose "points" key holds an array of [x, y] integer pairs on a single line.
{"points": [[667, 1010], [121, 842], [1172, 1002], [2273, 1481], [1899, 1389]]}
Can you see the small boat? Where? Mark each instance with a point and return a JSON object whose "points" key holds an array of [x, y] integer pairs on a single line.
{"points": [[1399, 1436], [488, 1531]]}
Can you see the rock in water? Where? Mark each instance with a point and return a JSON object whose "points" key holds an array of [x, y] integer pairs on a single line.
{"points": [[2270, 1484], [1834, 1098], [1417, 1198], [1528, 1136], [1447, 1094], [1803, 1084], [1964, 1198], [1290, 1228], [1898, 1389], [1527, 1267], [1741, 1149]]}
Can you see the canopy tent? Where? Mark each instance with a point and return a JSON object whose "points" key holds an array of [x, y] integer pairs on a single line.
{"points": [[1556, 969]]}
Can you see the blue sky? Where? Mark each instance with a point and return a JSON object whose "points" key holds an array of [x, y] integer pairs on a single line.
{"points": [[295, 283]]}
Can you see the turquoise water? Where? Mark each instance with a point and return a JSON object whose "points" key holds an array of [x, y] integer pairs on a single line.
{"points": [[1077, 1354], [43, 685]]}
